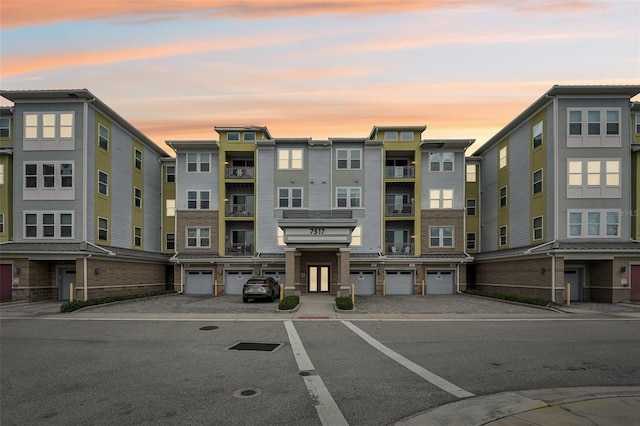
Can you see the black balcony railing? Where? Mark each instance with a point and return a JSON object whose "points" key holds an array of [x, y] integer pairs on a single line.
{"points": [[399, 209], [400, 172], [239, 172], [239, 210], [400, 249], [239, 249]]}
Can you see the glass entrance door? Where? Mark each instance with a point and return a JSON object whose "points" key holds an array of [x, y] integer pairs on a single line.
{"points": [[318, 279]]}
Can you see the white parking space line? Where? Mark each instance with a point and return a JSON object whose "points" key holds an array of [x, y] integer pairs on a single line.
{"points": [[420, 371], [326, 406]]}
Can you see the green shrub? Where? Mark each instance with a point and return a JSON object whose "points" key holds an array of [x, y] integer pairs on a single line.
{"points": [[79, 304], [288, 303], [540, 301], [344, 303]]}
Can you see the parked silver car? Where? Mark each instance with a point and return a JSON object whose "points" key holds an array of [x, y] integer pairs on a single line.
{"points": [[260, 288]]}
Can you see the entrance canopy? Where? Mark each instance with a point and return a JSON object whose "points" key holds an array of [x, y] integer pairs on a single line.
{"points": [[317, 229]]}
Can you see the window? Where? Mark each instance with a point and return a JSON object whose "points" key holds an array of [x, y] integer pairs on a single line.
{"points": [[48, 225], [356, 237], [348, 159], [537, 181], [66, 175], [171, 174], [249, 136], [502, 157], [472, 173], [1, 174], [593, 178], [613, 122], [48, 127], [5, 127], [31, 126], [406, 136], [537, 228], [103, 183], [280, 236], [503, 236], [441, 199], [198, 200], [233, 136], [170, 208], [471, 240], [441, 161], [593, 122], [48, 175], [638, 123], [441, 236], [348, 197], [594, 223], [171, 241], [137, 154], [49, 178], [137, 197], [30, 175], [575, 123], [198, 237], [1, 223], [503, 196], [103, 229], [290, 197], [290, 159], [390, 136], [471, 206], [103, 137], [137, 236], [537, 134], [198, 162]]}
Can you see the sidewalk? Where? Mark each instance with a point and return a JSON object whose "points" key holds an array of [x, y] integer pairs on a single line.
{"points": [[605, 406]]}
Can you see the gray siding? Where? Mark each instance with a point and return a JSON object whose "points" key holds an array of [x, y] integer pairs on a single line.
{"points": [[549, 176], [152, 201], [318, 194], [266, 222], [519, 190], [196, 181], [489, 205], [372, 190], [120, 188], [91, 167], [443, 180]]}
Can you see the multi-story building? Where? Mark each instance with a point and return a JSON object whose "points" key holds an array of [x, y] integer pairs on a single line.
{"points": [[85, 208], [558, 198], [384, 212]]}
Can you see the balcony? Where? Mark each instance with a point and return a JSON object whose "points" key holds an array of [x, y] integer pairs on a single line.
{"points": [[407, 209], [400, 249], [317, 214], [239, 210], [399, 172], [239, 249], [244, 172]]}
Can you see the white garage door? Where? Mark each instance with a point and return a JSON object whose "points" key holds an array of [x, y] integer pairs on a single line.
{"points": [[279, 276], [365, 282], [234, 280], [199, 282], [399, 282], [440, 282]]}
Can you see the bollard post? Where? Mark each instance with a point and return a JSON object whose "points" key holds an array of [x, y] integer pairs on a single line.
{"points": [[70, 292], [353, 294], [281, 292], [384, 287], [568, 293], [215, 287], [423, 287]]}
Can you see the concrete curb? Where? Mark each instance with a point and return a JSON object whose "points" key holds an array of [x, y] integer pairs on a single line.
{"points": [[485, 409]]}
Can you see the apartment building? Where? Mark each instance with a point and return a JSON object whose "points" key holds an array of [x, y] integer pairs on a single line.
{"points": [[383, 212], [558, 197], [85, 207]]}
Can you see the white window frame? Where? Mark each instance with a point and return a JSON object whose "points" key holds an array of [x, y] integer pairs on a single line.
{"points": [[356, 237], [234, 138], [471, 209], [167, 241], [102, 184], [594, 177], [5, 127], [537, 138], [103, 139], [504, 204], [199, 199], [390, 135], [503, 157], [290, 159], [441, 198], [350, 197], [406, 135], [198, 237], [40, 225], [138, 159], [48, 130], [594, 130], [441, 237], [349, 158], [290, 198], [170, 171], [137, 236], [170, 207], [58, 190], [1, 223], [605, 217], [202, 162], [438, 161], [638, 123], [540, 182], [1, 174], [535, 228], [472, 173], [503, 238], [247, 138], [137, 197], [103, 229]]}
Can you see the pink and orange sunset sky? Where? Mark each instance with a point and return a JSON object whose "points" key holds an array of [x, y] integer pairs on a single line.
{"points": [[317, 68]]}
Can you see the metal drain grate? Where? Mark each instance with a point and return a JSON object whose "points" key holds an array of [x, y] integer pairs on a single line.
{"points": [[254, 346]]}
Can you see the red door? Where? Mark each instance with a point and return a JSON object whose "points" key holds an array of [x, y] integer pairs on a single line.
{"points": [[5, 282], [635, 282]]}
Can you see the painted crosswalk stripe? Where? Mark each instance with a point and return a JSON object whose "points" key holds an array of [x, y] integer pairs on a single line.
{"points": [[326, 407], [420, 371]]}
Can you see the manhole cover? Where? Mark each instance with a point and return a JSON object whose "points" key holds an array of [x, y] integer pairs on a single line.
{"points": [[254, 346], [247, 393], [209, 327]]}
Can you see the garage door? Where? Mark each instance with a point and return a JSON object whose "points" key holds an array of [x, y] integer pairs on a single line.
{"points": [[234, 280], [365, 282], [6, 271], [440, 282], [279, 276], [399, 282], [199, 282]]}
